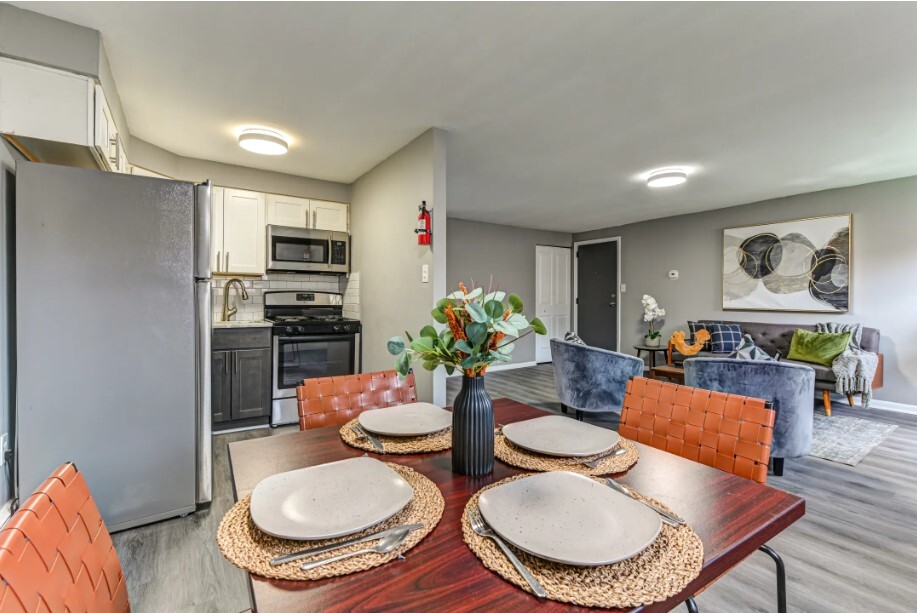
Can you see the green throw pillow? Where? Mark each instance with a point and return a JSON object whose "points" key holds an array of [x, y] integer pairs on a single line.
{"points": [[817, 347]]}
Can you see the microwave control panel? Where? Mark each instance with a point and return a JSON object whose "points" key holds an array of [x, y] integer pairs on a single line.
{"points": [[338, 252]]}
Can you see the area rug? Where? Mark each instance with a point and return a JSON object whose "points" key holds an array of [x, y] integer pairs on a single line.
{"points": [[847, 440]]}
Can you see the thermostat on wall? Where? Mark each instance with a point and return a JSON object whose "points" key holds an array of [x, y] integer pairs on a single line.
{"points": [[673, 275]]}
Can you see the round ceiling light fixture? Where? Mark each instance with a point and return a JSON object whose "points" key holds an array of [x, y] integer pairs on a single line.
{"points": [[263, 141], [666, 177]]}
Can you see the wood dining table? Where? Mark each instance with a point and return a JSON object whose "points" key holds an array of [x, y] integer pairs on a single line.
{"points": [[732, 516]]}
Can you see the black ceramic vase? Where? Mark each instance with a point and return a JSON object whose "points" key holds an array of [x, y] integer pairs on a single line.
{"points": [[472, 429]]}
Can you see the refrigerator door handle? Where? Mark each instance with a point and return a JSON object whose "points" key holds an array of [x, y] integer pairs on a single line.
{"points": [[204, 417], [202, 267]]}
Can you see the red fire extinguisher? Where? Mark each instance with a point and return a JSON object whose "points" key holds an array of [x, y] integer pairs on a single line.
{"points": [[424, 228]]}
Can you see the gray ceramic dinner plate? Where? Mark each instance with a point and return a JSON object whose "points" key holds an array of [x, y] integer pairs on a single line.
{"points": [[415, 419], [569, 518], [329, 500], [560, 436]]}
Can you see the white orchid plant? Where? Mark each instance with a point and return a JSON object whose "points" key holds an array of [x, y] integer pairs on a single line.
{"points": [[651, 312]]}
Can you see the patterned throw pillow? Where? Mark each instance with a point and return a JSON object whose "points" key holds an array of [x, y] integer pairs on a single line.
{"points": [[747, 350], [694, 326], [724, 338], [571, 337]]}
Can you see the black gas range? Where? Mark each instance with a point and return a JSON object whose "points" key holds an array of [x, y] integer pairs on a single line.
{"points": [[312, 338]]}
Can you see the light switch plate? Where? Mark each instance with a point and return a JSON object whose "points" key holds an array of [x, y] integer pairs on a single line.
{"points": [[623, 287], [425, 273]]}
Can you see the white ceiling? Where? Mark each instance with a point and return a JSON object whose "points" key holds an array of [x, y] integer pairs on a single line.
{"points": [[552, 109]]}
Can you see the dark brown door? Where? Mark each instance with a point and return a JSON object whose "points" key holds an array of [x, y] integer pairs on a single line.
{"points": [[251, 383], [597, 294], [221, 385]]}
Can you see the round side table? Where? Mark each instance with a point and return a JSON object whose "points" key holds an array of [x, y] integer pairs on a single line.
{"points": [[652, 351]]}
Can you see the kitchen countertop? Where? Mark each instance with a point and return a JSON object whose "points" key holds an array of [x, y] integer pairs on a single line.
{"points": [[242, 324]]}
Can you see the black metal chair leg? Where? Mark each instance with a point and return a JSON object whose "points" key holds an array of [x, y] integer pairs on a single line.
{"points": [[563, 408], [781, 577], [691, 604], [579, 415], [778, 467]]}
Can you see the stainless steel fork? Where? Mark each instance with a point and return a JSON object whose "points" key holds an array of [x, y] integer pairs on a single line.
{"points": [[481, 528]]}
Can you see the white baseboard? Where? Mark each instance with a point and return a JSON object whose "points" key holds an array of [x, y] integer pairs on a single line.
{"points": [[498, 367], [888, 405]]}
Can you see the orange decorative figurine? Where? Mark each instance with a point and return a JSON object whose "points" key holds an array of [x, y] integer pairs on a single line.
{"points": [[678, 342]]}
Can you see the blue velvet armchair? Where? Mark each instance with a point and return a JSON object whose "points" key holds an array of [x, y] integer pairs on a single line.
{"points": [[589, 379], [790, 387]]}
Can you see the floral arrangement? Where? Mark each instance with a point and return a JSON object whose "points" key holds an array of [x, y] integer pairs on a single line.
{"points": [[481, 329], [651, 312]]}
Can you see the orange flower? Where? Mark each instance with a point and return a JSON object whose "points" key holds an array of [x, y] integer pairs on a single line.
{"points": [[462, 287], [495, 340], [506, 314], [458, 331]]}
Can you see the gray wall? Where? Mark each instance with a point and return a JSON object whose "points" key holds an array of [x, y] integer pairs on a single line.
{"points": [[386, 255], [7, 299], [159, 160], [884, 284], [478, 250]]}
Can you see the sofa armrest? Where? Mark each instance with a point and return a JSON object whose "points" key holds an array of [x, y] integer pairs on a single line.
{"points": [[878, 380]]}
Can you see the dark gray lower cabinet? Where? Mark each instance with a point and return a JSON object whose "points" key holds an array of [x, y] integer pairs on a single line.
{"points": [[241, 377], [251, 376], [221, 386]]}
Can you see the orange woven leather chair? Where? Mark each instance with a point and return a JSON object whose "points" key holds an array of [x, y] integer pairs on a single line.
{"points": [[726, 431], [333, 401], [729, 432], [56, 553]]}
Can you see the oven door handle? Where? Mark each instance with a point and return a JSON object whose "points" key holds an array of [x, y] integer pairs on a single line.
{"points": [[317, 337]]}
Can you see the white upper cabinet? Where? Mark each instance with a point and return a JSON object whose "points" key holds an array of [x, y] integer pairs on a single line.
{"points": [[288, 211], [329, 215], [60, 107], [216, 227], [243, 232], [45, 103]]}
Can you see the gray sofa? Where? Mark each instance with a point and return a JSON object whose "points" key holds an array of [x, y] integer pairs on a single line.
{"points": [[774, 338]]}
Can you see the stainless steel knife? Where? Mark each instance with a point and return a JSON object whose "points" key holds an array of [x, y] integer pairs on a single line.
{"points": [[372, 439], [305, 553], [673, 520]]}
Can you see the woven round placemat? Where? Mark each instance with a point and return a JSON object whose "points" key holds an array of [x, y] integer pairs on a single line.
{"points": [[243, 544], [428, 443], [659, 572], [522, 458]]}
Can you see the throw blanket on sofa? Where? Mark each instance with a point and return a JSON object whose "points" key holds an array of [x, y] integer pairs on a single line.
{"points": [[854, 368]]}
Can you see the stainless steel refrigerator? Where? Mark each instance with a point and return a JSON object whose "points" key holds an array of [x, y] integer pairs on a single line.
{"points": [[113, 329]]}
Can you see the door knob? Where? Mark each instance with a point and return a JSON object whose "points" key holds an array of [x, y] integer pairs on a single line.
{"points": [[611, 304]]}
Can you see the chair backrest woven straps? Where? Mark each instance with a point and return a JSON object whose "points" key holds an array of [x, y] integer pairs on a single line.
{"points": [[727, 431], [333, 401], [56, 553]]}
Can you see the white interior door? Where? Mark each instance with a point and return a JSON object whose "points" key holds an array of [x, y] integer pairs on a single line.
{"points": [[552, 296]]}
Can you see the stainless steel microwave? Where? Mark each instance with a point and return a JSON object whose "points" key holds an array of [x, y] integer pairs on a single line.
{"points": [[302, 250]]}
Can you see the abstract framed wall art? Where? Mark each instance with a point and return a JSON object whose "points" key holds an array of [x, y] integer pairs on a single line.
{"points": [[801, 265]]}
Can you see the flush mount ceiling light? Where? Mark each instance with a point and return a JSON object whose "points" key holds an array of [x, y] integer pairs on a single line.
{"points": [[666, 177], [265, 142]]}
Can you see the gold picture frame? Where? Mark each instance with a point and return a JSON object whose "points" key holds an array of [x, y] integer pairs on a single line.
{"points": [[798, 265]]}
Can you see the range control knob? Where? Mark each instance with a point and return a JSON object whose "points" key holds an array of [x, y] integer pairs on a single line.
{"points": [[337, 328], [300, 329], [289, 330]]}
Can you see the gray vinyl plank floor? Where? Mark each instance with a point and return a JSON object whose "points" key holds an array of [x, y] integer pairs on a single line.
{"points": [[855, 550]]}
